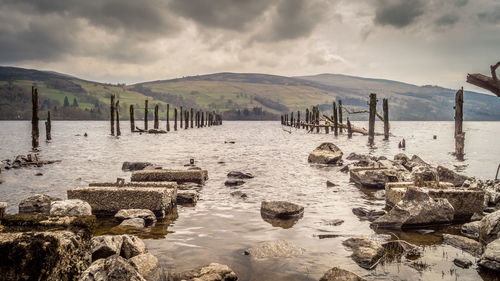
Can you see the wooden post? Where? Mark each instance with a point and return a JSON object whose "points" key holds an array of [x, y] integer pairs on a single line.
{"points": [[327, 130], [340, 115], [168, 117], [307, 118], [349, 128], [298, 119], [48, 127], [186, 118], [291, 119], [146, 115], [317, 120], [112, 113], [198, 119], [191, 117], [371, 124], [335, 125], [132, 119], [180, 116], [385, 106], [459, 134], [175, 119], [202, 119], [156, 123], [281, 119], [117, 108]]}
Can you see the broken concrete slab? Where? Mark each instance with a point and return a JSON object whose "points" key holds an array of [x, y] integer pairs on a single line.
{"points": [[179, 176]]}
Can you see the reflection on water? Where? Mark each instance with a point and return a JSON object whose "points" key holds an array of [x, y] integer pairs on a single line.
{"points": [[221, 227]]}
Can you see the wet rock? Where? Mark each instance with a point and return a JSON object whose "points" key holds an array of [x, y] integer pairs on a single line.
{"points": [[326, 153], [489, 210], [491, 257], [54, 255], [462, 262], [375, 177], [239, 175], [401, 157], [70, 208], [353, 156], [211, 272], [105, 246], [135, 222], [37, 204], [239, 194], [450, 176], [187, 197], [132, 246], [326, 236], [477, 216], [471, 246], [334, 222], [147, 215], [135, 166], [425, 231], [234, 182], [330, 184], [367, 214], [109, 269], [339, 274], [366, 252], [489, 228], [148, 266], [416, 208], [3, 206], [426, 172], [345, 169], [281, 210], [275, 249], [380, 194], [38, 174], [471, 229]]}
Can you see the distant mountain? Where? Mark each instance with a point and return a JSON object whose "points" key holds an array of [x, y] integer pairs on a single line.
{"points": [[250, 96]]}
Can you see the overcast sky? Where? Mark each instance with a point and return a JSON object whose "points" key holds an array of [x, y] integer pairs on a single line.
{"points": [[417, 41]]}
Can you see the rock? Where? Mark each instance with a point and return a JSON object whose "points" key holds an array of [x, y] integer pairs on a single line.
{"points": [[334, 222], [239, 175], [345, 169], [489, 210], [70, 208], [110, 269], [401, 157], [37, 204], [105, 246], [471, 246], [233, 182], [448, 175], [491, 257], [147, 215], [330, 184], [358, 157], [148, 266], [135, 222], [132, 246], [339, 274], [3, 206], [54, 255], [426, 172], [179, 176], [187, 197], [239, 193], [397, 248], [416, 208], [380, 194], [375, 177], [135, 166], [462, 262], [477, 217], [275, 249], [211, 272], [281, 210], [366, 252], [471, 229], [366, 214], [326, 153], [38, 174], [489, 228]]}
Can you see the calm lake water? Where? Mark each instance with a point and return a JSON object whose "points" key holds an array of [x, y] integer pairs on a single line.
{"points": [[220, 227]]}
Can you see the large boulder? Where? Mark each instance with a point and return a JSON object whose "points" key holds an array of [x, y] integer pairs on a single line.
{"points": [[450, 176], [132, 246], [70, 208], [489, 228], [147, 215], [148, 266], [275, 249], [326, 153], [415, 209], [105, 246], [471, 246], [135, 166], [211, 272], [491, 257], [365, 252], [339, 274], [281, 210], [37, 204], [110, 269]]}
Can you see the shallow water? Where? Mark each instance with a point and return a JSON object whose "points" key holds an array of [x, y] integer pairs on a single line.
{"points": [[219, 228]]}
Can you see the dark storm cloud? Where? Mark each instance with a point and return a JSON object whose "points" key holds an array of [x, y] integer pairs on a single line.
{"points": [[448, 19], [491, 16], [398, 13], [461, 3]]}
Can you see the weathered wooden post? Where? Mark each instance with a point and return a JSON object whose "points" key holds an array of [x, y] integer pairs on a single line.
{"points": [[298, 119], [132, 119], [117, 108], [459, 134], [35, 132], [168, 117], [317, 120], [48, 127], [340, 115], [202, 119], [349, 128], [156, 123], [175, 119], [191, 117], [307, 118], [198, 119], [371, 124], [186, 118], [385, 106], [146, 115], [335, 125], [180, 116], [281, 119], [112, 113], [291, 119]]}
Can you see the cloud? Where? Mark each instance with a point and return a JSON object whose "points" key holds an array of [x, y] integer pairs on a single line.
{"points": [[398, 13], [491, 16], [447, 19], [461, 3]]}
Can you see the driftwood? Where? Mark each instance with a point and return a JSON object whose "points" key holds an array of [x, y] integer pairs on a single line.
{"points": [[354, 129], [365, 111], [489, 83]]}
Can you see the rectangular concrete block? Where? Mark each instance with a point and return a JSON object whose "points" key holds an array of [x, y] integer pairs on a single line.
{"points": [[164, 184], [179, 176]]}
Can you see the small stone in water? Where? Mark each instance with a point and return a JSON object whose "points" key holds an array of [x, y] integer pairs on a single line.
{"points": [[330, 184], [38, 174], [461, 262]]}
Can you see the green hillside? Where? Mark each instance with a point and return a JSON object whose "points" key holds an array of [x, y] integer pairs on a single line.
{"points": [[237, 96]]}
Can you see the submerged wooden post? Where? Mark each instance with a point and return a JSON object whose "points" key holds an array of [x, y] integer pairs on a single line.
{"points": [[459, 134], [385, 106], [112, 113], [156, 123], [146, 115], [186, 117], [117, 108], [191, 117], [340, 115], [180, 116], [202, 119], [175, 119], [335, 125], [349, 128], [317, 120], [298, 119], [132, 119], [168, 117], [371, 123], [48, 127]]}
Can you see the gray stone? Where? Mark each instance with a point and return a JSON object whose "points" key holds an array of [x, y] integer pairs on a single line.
{"points": [[147, 215], [135, 166], [70, 208], [375, 177], [366, 253], [367, 214], [211, 272], [37, 204], [132, 246], [470, 246], [471, 229], [187, 197], [112, 268], [179, 176], [339, 274], [105, 246], [330, 184], [326, 153], [425, 171], [281, 210], [135, 222], [239, 194], [275, 249], [491, 257], [239, 175], [489, 229], [462, 262], [450, 176], [148, 266], [234, 182], [334, 222]]}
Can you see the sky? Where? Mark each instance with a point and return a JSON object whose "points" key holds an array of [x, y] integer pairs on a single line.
{"points": [[423, 42]]}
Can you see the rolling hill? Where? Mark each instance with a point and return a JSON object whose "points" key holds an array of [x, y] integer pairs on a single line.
{"points": [[237, 95]]}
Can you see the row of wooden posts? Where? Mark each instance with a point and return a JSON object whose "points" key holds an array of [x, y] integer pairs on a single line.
{"points": [[335, 122], [191, 118], [35, 131]]}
